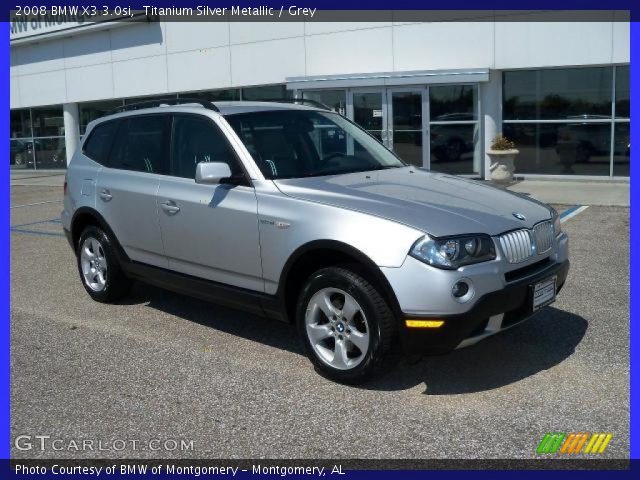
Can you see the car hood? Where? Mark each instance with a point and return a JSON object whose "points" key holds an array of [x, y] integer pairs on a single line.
{"points": [[434, 203]]}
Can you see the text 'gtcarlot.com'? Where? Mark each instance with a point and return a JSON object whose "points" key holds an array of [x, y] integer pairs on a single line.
{"points": [[46, 443]]}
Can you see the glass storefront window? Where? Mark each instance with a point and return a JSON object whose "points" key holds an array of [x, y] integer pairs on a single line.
{"points": [[335, 99], [575, 148], [50, 153], [453, 102], [92, 110], [268, 92], [622, 92], [20, 123], [453, 148], [557, 93], [21, 155], [453, 131], [47, 121], [621, 150], [561, 120]]}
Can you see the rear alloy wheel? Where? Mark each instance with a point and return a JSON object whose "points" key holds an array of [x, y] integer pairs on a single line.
{"points": [[346, 326], [98, 266], [94, 264]]}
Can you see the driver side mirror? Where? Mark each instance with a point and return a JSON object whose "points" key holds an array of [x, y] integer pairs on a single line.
{"points": [[212, 173]]}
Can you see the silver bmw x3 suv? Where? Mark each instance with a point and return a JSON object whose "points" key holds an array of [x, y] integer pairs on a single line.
{"points": [[295, 213]]}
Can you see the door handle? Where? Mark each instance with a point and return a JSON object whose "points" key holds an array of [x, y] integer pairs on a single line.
{"points": [[170, 207], [106, 195]]}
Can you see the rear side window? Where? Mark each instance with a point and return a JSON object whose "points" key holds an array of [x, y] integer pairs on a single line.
{"points": [[98, 144], [197, 139], [141, 144]]}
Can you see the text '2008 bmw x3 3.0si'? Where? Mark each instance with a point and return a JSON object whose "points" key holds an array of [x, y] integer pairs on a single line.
{"points": [[294, 212]]}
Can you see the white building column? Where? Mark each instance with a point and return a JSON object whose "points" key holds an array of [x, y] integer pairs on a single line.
{"points": [[491, 107], [71, 128]]}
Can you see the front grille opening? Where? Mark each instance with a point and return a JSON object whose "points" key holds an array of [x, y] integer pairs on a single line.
{"points": [[524, 272]]}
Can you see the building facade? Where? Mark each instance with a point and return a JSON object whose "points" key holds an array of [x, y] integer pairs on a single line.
{"points": [[435, 93]]}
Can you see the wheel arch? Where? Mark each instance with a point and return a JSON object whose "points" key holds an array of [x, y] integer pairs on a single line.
{"points": [[318, 254], [85, 216]]}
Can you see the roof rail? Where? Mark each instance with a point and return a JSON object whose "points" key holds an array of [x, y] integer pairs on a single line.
{"points": [[164, 101], [308, 101]]}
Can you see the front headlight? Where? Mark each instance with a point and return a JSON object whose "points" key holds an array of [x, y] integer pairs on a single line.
{"points": [[557, 227], [454, 252]]}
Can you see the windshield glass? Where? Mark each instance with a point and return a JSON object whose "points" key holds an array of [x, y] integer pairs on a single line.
{"points": [[309, 143]]}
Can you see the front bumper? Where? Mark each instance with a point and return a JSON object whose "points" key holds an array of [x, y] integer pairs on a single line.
{"points": [[491, 313]]}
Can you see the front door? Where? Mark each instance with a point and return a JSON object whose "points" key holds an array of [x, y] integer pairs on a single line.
{"points": [[208, 231]]}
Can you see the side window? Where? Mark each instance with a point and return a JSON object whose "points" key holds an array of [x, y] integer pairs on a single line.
{"points": [[140, 144], [197, 139], [99, 142]]}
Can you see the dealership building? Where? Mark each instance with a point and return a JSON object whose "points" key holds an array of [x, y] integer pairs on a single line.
{"points": [[437, 93]]}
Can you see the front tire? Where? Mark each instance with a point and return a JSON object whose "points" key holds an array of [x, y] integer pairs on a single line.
{"points": [[345, 325], [100, 272]]}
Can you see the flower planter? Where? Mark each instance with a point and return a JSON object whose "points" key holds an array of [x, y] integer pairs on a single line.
{"points": [[502, 165]]}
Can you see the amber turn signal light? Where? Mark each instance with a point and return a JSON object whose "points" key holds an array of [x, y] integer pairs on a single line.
{"points": [[424, 323]]}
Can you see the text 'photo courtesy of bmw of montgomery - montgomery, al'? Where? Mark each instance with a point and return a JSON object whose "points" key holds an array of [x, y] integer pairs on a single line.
{"points": [[291, 211]]}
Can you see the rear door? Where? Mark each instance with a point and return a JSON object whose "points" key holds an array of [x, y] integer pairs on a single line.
{"points": [[126, 187], [208, 231]]}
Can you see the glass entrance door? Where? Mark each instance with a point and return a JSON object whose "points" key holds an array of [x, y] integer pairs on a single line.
{"points": [[405, 126], [370, 112], [393, 116], [434, 126]]}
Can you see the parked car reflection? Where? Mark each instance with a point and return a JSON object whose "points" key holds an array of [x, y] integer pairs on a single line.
{"points": [[49, 153], [579, 141], [449, 142], [21, 153]]}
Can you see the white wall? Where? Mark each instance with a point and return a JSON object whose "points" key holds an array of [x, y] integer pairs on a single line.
{"points": [[145, 59]]}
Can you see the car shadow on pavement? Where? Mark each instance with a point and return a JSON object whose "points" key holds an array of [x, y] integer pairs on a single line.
{"points": [[234, 322], [543, 341]]}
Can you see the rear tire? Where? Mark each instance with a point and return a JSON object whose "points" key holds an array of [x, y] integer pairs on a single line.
{"points": [[100, 272], [346, 326]]}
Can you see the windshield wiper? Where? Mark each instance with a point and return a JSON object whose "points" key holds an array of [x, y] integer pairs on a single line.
{"points": [[383, 167]]}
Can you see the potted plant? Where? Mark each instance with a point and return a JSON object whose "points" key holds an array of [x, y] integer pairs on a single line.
{"points": [[502, 154]]}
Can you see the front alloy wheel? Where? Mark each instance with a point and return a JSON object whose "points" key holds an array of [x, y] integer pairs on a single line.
{"points": [[337, 328], [345, 325]]}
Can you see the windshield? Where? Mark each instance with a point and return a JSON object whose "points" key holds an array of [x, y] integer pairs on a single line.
{"points": [[309, 143]]}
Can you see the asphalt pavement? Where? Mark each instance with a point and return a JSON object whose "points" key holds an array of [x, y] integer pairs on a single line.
{"points": [[167, 367]]}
